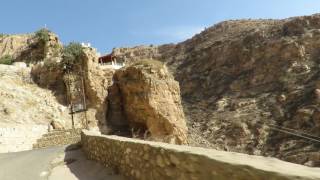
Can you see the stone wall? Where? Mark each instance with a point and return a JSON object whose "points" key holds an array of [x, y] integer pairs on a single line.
{"points": [[147, 160], [58, 138]]}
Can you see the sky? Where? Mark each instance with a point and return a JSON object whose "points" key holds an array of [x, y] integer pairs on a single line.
{"points": [[124, 23]]}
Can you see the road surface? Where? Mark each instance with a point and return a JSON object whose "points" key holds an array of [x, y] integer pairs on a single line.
{"points": [[52, 164]]}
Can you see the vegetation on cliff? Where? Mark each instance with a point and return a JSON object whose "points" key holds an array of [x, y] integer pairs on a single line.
{"points": [[2, 35], [43, 35], [71, 55], [7, 59]]}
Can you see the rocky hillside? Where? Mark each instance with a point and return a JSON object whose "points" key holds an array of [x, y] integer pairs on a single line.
{"points": [[243, 80], [14, 45], [33, 90], [26, 110], [249, 86], [23, 102]]}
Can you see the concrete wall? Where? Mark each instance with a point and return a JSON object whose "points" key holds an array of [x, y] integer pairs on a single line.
{"points": [[144, 160]]}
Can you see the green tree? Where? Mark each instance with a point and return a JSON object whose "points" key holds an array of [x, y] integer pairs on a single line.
{"points": [[7, 59], [72, 55], [43, 35], [2, 35]]}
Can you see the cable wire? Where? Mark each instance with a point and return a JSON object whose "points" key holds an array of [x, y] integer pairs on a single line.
{"points": [[292, 132], [298, 135]]}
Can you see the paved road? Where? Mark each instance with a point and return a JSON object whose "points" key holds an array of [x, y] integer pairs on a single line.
{"points": [[52, 164]]}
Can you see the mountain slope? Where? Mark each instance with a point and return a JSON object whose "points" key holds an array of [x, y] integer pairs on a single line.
{"points": [[242, 80]]}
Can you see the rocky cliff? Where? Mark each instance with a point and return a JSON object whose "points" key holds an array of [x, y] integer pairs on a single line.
{"points": [[25, 90], [241, 81], [97, 80], [26, 110], [42, 82], [31, 97], [14, 45], [33, 91], [148, 99], [23, 102], [249, 86]]}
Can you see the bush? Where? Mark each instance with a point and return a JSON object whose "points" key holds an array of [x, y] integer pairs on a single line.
{"points": [[56, 50], [71, 55], [49, 64], [43, 35], [7, 59], [2, 35]]}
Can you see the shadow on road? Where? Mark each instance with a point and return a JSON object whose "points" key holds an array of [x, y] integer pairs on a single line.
{"points": [[75, 166]]}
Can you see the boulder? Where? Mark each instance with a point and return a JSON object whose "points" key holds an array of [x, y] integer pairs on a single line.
{"points": [[151, 101], [56, 125]]}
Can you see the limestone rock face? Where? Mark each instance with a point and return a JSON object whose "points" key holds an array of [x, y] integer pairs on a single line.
{"points": [[115, 113], [240, 80], [14, 45], [31, 91], [28, 48], [132, 55], [23, 102], [151, 100], [97, 79]]}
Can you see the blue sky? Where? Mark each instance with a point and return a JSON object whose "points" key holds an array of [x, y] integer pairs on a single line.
{"points": [[114, 23]]}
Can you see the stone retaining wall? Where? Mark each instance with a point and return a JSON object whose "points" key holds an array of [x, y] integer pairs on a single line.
{"points": [[145, 160], [58, 138]]}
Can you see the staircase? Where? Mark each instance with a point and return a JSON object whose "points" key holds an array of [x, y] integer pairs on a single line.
{"points": [[58, 137]]}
